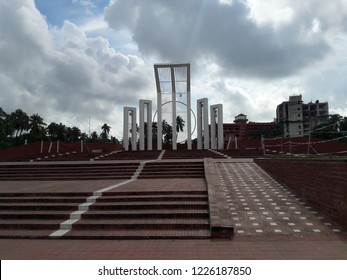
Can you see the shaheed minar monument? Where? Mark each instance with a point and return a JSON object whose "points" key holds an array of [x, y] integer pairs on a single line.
{"points": [[173, 100]]}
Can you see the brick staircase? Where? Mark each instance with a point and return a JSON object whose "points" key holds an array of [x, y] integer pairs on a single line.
{"points": [[114, 215], [190, 154], [35, 215], [186, 169], [152, 212], [37, 172], [131, 155]]}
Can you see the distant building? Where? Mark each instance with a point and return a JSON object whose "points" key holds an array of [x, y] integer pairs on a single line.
{"points": [[297, 118], [244, 130]]}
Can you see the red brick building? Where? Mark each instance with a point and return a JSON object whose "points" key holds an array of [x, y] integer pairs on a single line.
{"points": [[244, 130]]}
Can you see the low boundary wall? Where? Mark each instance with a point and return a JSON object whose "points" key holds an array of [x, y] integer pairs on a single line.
{"points": [[321, 183]]}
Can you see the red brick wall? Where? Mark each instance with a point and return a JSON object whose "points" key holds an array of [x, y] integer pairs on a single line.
{"points": [[323, 184]]}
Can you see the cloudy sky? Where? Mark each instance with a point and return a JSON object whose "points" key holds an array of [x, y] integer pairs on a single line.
{"points": [[75, 60]]}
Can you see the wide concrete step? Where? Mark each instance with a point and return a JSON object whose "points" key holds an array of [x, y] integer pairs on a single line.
{"points": [[47, 199], [155, 193], [25, 233], [45, 194], [68, 169], [163, 164], [107, 224], [34, 214], [110, 224], [140, 234], [173, 171], [148, 214], [153, 198], [77, 166], [41, 206], [63, 178], [31, 172], [149, 205], [80, 200], [103, 203], [168, 176], [33, 224], [164, 170]]}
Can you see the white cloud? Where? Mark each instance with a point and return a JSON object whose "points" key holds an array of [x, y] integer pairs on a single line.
{"points": [[273, 12], [266, 51], [84, 3], [94, 24], [63, 74], [225, 34]]}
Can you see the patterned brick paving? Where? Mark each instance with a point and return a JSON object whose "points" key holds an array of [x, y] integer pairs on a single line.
{"points": [[262, 208]]}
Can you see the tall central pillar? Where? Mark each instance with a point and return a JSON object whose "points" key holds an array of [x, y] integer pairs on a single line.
{"points": [[173, 90]]}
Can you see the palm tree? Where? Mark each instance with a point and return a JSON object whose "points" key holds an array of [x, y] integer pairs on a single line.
{"points": [[180, 123], [105, 131], [4, 124], [36, 125], [75, 133], [165, 127], [20, 121], [94, 137], [3, 117], [167, 132], [52, 129], [61, 132], [84, 136], [3, 114]]}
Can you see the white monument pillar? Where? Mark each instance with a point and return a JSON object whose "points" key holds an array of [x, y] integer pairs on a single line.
{"points": [[217, 135], [145, 107], [173, 79], [202, 124], [159, 109], [174, 110], [129, 111], [189, 116]]}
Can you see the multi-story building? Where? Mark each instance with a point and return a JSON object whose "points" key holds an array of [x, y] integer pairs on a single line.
{"points": [[298, 118]]}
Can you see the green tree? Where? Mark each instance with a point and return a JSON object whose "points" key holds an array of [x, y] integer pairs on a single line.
{"points": [[3, 117], [335, 127], [93, 137], [37, 125], [167, 132], [61, 132], [52, 130], [4, 130], [105, 131], [84, 136], [73, 134], [19, 122], [180, 123]]}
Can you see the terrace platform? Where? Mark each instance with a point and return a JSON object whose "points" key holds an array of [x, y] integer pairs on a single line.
{"points": [[269, 221]]}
